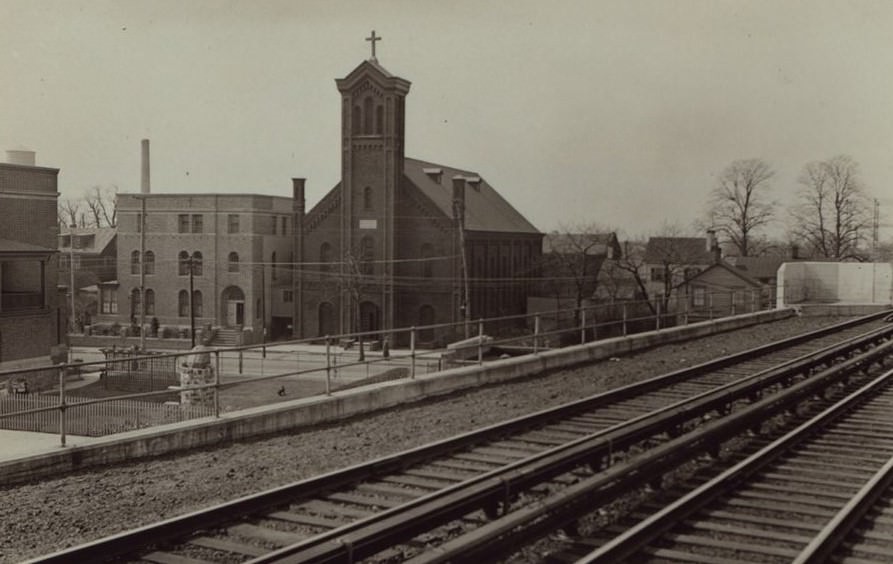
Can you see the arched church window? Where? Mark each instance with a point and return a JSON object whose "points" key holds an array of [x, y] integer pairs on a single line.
{"points": [[233, 261], [427, 263], [367, 115], [367, 254], [367, 198], [357, 119], [183, 263], [379, 120], [325, 256]]}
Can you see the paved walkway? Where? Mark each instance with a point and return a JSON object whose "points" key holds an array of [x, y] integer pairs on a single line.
{"points": [[21, 444]]}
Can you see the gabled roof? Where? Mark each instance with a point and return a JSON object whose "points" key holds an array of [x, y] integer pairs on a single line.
{"points": [[8, 246], [679, 250], [485, 209], [759, 267], [729, 268], [372, 69]]}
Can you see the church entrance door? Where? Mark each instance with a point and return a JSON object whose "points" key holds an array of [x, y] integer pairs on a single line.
{"points": [[235, 313], [370, 317]]}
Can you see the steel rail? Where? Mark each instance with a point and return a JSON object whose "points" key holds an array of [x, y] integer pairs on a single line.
{"points": [[630, 542], [559, 509], [365, 537], [824, 544], [125, 542]]}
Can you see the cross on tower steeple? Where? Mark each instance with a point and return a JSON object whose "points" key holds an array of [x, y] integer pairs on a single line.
{"points": [[373, 39]]}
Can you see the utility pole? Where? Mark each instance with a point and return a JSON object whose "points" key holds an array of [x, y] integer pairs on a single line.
{"points": [[71, 318], [191, 302], [459, 216], [142, 226]]}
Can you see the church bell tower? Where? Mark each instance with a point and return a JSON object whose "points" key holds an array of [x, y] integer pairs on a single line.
{"points": [[372, 144]]}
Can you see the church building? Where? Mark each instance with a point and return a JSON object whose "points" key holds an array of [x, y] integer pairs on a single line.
{"points": [[402, 242]]}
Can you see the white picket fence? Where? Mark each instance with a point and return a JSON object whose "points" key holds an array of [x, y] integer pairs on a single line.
{"points": [[92, 420]]}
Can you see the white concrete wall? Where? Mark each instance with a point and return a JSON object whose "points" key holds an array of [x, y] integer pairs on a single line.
{"points": [[835, 282]]}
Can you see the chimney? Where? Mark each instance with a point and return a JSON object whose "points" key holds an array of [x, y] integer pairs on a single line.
{"points": [[459, 197], [713, 246], [297, 187], [145, 187], [21, 157]]}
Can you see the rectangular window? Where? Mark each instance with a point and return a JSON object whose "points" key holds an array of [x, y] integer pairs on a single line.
{"points": [[183, 223], [197, 223], [233, 223], [139, 222], [109, 301], [284, 225], [697, 298], [274, 224], [288, 296], [657, 274]]}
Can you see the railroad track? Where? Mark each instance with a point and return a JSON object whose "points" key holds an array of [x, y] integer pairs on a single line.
{"points": [[371, 507], [819, 493]]}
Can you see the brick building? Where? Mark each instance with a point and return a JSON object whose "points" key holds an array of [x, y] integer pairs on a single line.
{"points": [[29, 323], [385, 247], [238, 247]]}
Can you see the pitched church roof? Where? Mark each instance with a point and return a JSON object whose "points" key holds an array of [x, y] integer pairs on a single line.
{"points": [[485, 208]]}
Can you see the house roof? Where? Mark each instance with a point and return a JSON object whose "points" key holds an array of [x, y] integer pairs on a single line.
{"points": [[759, 267], [728, 267], [9, 246], [562, 242], [103, 236], [485, 208], [679, 250]]}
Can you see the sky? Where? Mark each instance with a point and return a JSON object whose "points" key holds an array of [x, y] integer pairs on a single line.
{"points": [[615, 113]]}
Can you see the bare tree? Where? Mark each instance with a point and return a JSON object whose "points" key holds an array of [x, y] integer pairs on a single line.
{"points": [[70, 213], [739, 205], [573, 261], [832, 217], [652, 270], [102, 205]]}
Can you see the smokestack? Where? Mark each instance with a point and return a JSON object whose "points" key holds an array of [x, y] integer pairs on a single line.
{"points": [[297, 187], [459, 197], [145, 186]]}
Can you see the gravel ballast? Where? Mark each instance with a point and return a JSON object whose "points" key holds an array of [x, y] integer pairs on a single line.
{"points": [[42, 517]]}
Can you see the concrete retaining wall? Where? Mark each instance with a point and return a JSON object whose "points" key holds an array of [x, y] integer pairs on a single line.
{"points": [[310, 411]]}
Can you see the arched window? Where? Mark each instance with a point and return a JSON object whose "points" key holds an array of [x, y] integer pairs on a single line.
{"points": [[134, 302], [150, 302], [135, 262], [273, 265], [150, 263], [367, 255], [379, 120], [427, 263], [196, 263], [426, 317], [233, 261], [367, 115], [197, 303], [325, 256], [367, 198], [183, 263], [183, 303], [357, 119]]}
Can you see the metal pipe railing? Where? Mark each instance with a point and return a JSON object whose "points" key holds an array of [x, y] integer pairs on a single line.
{"points": [[621, 318]]}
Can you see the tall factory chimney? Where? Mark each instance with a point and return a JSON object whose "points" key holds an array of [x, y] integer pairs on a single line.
{"points": [[145, 187]]}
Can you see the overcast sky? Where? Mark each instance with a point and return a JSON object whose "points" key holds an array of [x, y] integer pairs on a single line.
{"points": [[619, 113]]}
